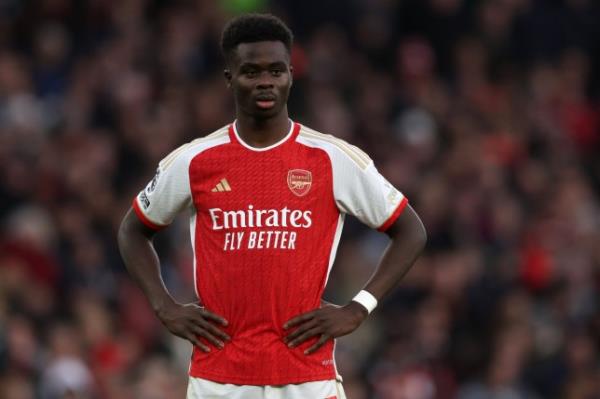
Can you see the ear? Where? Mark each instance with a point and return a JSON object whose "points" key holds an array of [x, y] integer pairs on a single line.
{"points": [[227, 74], [291, 75]]}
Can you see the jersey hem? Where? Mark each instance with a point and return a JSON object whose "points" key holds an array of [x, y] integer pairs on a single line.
{"points": [[386, 225], [237, 380], [143, 218]]}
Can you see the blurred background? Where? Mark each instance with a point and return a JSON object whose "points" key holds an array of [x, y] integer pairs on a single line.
{"points": [[484, 113]]}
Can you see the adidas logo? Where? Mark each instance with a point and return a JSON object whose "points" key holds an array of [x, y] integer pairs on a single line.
{"points": [[223, 185]]}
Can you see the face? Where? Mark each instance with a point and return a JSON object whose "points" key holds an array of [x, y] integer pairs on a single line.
{"points": [[260, 76]]}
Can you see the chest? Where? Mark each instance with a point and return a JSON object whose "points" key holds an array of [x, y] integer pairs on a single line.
{"points": [[234, 178]]}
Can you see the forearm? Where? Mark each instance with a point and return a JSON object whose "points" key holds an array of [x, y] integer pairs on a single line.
{"points": [[408, 241], [142, 262]]}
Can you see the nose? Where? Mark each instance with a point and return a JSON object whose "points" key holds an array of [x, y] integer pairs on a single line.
{"points": [[265, 81]]}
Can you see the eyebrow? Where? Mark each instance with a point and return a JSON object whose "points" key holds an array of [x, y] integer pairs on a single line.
{"points": [[255, 65]]}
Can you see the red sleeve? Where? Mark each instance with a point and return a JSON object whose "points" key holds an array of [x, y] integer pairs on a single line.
{"points": [[143, 218], [390, 221]]}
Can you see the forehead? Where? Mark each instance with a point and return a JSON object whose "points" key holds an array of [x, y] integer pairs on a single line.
{"points": [[266, 52]]}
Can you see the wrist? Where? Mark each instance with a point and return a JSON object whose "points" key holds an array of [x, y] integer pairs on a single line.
{"points": [[366, 299], [163, 304], [358, 311]]}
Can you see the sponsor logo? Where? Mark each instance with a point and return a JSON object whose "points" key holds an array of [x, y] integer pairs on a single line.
{"points": [[256, 229], [264, 239], [150, 188], [223, 185], [299, 181], [251, 217], [144, 200]]}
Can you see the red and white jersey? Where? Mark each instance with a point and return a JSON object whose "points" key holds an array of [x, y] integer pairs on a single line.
{"points": [[265, 226]]}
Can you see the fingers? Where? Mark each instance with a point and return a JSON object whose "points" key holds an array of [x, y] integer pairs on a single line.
{"points": [[196, 342], [304, 336], [207, 314], [299, 319], [300, 330], [198, 331], [201, 326], [212, 329], [322, 340]]}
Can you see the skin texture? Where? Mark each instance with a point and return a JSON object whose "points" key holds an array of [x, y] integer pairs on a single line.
{"points": [[260, 77]]}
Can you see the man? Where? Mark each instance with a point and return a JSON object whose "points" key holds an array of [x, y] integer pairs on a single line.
{"points": [[267, 198]]}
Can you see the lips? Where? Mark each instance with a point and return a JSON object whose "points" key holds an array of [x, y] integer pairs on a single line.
{"points": [[265, 101]]}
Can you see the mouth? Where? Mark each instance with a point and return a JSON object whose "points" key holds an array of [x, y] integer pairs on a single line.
{"points": [[265, 101]]}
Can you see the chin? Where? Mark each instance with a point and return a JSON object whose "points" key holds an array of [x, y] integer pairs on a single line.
{"points": [[266, 113]]}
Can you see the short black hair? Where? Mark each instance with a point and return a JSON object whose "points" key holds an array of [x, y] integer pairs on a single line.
{"points": [[250, 28]]}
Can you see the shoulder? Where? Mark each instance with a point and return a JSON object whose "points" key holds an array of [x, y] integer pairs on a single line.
{"points": [[338, 150], [188, 151]]}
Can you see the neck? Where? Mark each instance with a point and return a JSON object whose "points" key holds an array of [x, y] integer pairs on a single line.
{"points": [[261, 133]]}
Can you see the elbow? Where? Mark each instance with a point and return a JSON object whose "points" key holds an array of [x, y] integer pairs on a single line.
{"points": [[123, 234], [419, 234], [416, 235], [415, 239], [421, 237]]}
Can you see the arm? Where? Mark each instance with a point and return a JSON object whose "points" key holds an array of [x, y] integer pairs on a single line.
{"points": [[408, 239], [187, 321]]}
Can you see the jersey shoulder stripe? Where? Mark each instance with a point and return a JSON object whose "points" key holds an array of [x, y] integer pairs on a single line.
{"points": [[358, 156], [220, 136]]}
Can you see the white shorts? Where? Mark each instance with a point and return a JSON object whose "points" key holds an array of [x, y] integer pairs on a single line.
{"points": [[199, 388]]}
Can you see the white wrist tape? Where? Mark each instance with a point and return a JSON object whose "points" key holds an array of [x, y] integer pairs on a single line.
{"points": [[366, 299]]}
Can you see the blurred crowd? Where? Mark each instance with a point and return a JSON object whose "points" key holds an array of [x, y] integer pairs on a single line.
{"points": [[484, 113]]}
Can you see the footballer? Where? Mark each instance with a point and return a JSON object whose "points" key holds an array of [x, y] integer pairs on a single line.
{"points": [[267, 197]]}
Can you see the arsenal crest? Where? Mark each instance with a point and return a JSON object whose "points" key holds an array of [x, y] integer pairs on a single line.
{"points": [[299, 181]]}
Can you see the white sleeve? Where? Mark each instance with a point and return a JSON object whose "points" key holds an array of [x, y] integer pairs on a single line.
{"points": [[360, 190], [167, 194]]}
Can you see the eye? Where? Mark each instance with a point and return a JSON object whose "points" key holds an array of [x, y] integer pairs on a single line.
{"points": [[276, 72], [250, 73]]}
